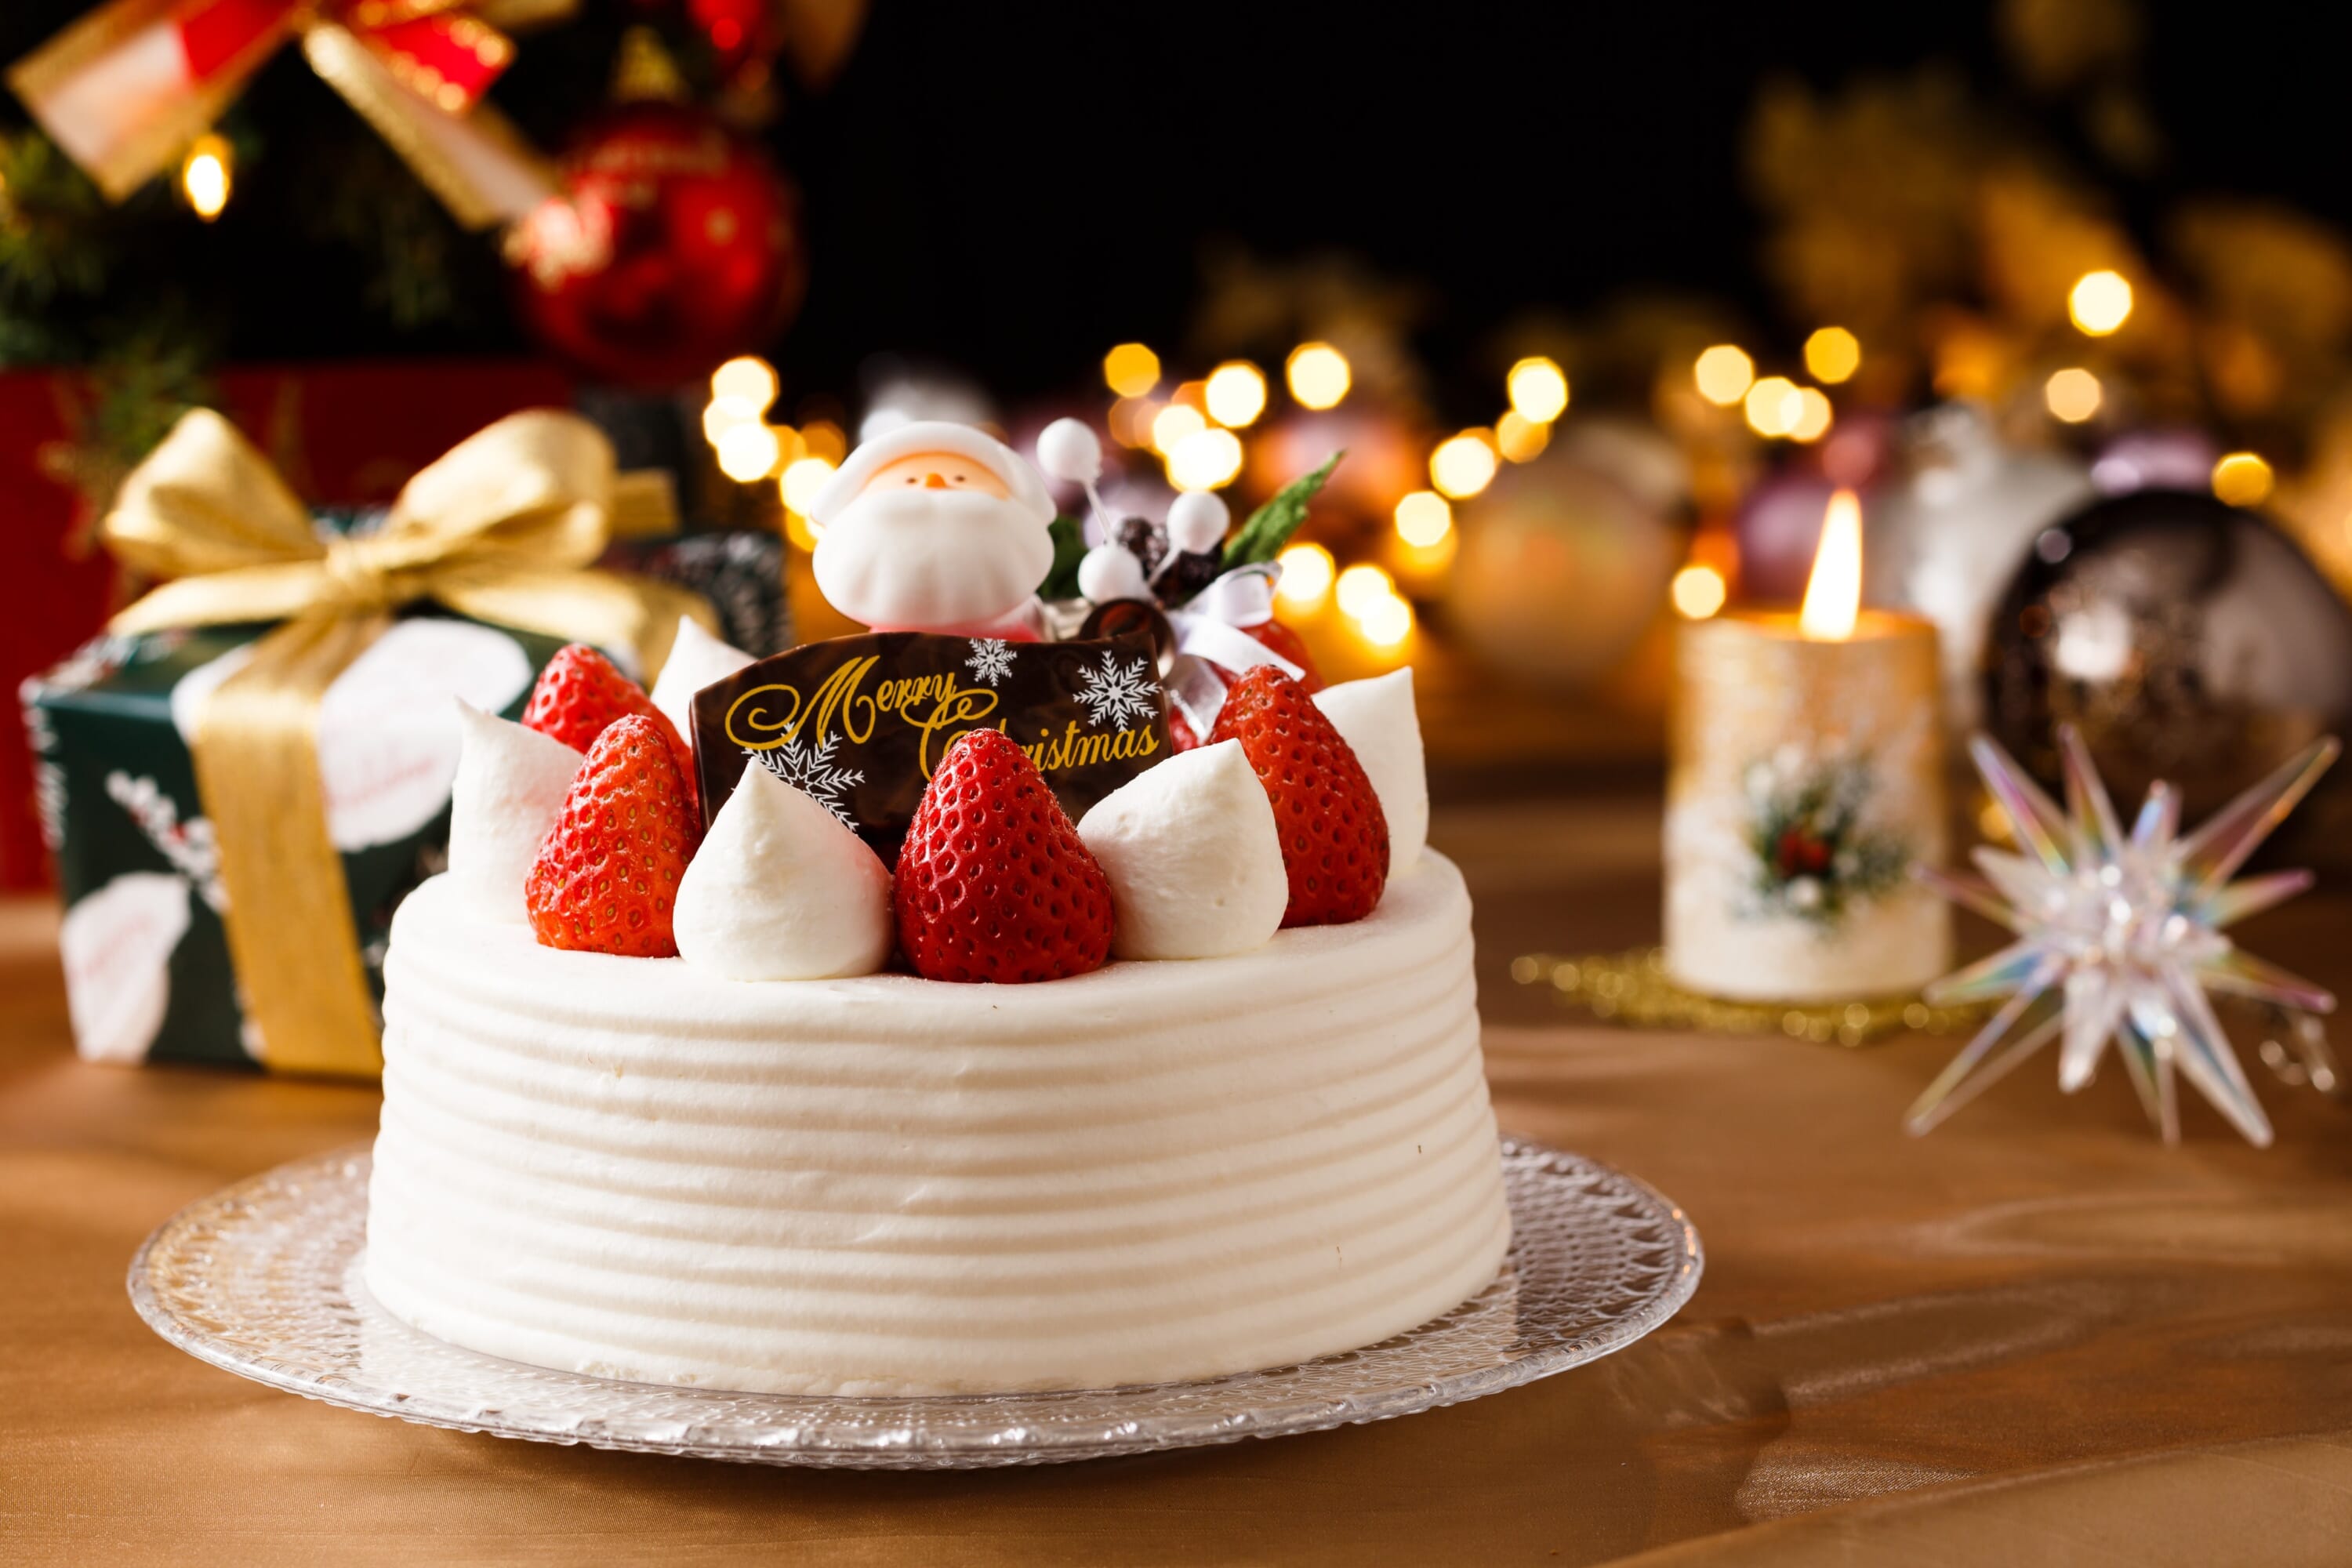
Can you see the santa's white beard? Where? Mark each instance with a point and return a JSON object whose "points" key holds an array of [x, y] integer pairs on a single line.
{"points": [[919, 558]]}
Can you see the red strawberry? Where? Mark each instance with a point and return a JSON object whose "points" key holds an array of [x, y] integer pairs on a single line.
{"points": [[1292, 647], [607, 873], [1335, 839], [579, 693], [1274, 635], [994, 883]]}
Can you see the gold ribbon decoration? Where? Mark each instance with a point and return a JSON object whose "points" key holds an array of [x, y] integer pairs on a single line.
{"points": [[502, 528]]}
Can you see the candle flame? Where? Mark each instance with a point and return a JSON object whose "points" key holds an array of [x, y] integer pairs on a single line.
{"points": [[1834, 593]]}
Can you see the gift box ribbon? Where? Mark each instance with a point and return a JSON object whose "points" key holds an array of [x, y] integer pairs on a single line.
{"points": [[127, 87], [503, 529]]}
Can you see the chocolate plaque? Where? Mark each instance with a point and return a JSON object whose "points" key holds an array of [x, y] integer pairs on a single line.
{"points": [[858, 724]]}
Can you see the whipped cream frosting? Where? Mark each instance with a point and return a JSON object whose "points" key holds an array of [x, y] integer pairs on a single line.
{"points": [[510, 784], [885, 1185], [696, 660], [1193, 856], [1378, 721], [781, 891]]}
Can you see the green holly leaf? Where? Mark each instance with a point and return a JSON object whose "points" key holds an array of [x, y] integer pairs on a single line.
{"points": [[1069, 549], [1269, 528]]}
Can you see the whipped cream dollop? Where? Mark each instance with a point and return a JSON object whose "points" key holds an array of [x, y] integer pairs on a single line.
{"points": [[696, 660], [1192, 855], [781, 890], [1378, 721], [509, 785]]}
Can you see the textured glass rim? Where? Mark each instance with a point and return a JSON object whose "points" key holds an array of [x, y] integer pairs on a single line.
{"points": [[941, 1432]]}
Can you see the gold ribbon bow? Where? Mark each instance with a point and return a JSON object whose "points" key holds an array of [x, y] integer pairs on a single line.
{"points": [[501, 528]]}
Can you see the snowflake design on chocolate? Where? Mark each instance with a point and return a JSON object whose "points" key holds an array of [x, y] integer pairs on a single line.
{"points": [[1117, 694], [810, 769], [990, 660]]}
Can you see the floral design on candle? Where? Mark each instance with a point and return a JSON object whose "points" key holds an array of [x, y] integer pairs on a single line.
{"points": [[1807, 776], [1818, 857]]}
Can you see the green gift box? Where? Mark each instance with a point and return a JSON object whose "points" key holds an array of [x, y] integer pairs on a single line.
{"points": [[243, 782], [146, 955]]}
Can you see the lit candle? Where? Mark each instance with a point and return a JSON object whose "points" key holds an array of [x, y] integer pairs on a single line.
{"points": [[1805, 778]]}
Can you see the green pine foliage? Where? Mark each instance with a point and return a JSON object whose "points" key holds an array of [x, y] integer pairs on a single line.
{"points": [[62, 250], [57, 244], [1069, 549], [1269, 528]]}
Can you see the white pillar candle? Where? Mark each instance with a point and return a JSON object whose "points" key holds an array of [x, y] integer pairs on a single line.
{"points": [[1806, 777]]}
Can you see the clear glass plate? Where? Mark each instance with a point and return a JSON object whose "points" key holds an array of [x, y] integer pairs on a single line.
{"points": [[263, 1280]]}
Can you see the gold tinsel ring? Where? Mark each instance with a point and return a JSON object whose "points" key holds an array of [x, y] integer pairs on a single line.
{"points": [[1634, 989]]}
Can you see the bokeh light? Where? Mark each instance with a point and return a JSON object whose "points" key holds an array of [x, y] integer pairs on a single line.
{"points": [[205, 175], [1307, 575], [1425, 566], [721, 414], [1205, 460], [1387, 622], [801, 480], [1318, 374], [1131, 370], [1699, 592], [748, 452], [1462, 465], [1518, 438], [1832, 354], [1174, 425], [2242, 479], [747, 379], [2073, 395], [1424, 518], [1724, 374], [1814, 415], [823, 439], [1538, 389], [2100, 302], [1775, 406], [1362, 587], [1236, 394], [1130, 421]]}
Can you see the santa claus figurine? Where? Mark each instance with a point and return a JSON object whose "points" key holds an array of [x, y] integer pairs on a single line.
{"points": [[934, 527]]}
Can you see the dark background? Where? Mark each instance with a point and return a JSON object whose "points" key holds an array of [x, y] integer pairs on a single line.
{"points": [[1013, 188]]}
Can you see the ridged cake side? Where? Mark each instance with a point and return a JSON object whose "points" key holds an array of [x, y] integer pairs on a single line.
{"points": [[1150, 1173]]}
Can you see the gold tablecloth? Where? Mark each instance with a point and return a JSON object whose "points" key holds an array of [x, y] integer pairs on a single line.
{"points": [[2035, 1337]]}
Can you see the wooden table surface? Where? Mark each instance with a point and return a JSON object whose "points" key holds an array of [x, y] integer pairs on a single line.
{"points": [[2037, 1336]]}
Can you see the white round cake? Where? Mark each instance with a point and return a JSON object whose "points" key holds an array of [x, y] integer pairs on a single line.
{"points": [[1154, 1171]]}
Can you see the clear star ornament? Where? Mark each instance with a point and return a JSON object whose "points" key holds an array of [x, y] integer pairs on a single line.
{"points": [[2120, 937]]}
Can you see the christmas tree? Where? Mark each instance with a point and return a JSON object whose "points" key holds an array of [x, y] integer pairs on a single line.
{"points": [[289, 227]]}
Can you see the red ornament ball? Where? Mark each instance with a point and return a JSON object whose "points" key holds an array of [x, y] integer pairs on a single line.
{"points": [[675, 245], [738, 30]]}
